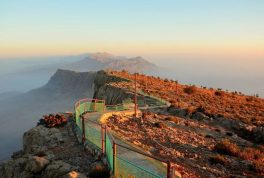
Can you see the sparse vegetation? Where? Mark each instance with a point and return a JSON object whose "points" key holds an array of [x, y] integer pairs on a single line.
{"points": [[232, 105], [52, 120], [99, 171], [252, 154], [159, 125], [173, 119], [226, 147], [219, 93], [190, 89]]}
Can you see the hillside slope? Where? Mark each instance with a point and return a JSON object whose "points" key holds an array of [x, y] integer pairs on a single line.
{"points": [[20, 113]]}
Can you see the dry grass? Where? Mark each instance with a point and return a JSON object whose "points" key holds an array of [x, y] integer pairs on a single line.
{"points": [[190, 90], [226, 147], [253, 154]]}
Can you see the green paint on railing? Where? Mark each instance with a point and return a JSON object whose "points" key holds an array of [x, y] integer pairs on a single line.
{"points": [[93, 134], [109, 151], [124, 167]]}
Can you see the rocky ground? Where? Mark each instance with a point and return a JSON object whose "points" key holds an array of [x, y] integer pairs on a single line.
{"points": [[51, 152], [188, 143]]}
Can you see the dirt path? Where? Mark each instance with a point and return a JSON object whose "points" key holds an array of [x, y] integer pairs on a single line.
{"points": [[136, 161]]}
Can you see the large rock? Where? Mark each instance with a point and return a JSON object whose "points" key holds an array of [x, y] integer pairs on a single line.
{"points": [[57, 169], [199, 116], [41, 136], [258, 134], [14, 168], [177, 111], [36, 164]]}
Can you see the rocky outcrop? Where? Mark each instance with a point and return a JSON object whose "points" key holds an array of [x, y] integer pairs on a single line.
{"points": [[37, 159], [109, 93], [38, 138], [36, 164]]}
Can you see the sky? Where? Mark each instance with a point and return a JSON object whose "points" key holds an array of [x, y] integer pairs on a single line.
{"points": [[152, 28]]}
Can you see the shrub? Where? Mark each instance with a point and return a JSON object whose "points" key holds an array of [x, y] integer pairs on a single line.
{"points": [[190, 89], [250, 98], [251, 154], [159, 125], [99, 171], [219, 93], [218, 159], [200, 109], [226, 147]]}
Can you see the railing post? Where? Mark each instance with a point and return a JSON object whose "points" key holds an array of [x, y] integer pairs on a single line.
{"points": [[114, 157], [103, 139], [95, 105], [168, 169], [83, 130], [105, 132], [135, 95]]}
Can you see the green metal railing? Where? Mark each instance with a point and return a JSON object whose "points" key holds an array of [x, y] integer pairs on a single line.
{"points": [[123, 161]]}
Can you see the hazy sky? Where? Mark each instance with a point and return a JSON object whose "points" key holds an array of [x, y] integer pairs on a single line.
{"points": [[151, 28]]}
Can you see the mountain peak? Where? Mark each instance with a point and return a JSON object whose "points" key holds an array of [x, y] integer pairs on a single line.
{"points": [[100, 61], [102, 56]]}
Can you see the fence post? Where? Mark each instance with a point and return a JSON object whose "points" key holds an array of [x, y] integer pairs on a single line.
{"points": [[114, 157], [103, 139], [83, 131], [135, 95], [95, 105], [168, 169]]}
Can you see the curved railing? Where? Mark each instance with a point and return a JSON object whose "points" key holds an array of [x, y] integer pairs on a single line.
{"points": [[118, 155]]}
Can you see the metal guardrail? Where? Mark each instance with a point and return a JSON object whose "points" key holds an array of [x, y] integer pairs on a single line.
{"points": [[116, 153]]}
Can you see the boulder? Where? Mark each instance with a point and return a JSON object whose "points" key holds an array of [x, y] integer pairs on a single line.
{"points": [[36, 164], [41, 136], [57, 169], [177, 112], [199, 116], [258, 133]]}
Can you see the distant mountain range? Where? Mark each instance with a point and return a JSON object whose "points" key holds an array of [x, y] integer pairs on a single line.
{"points": [[99, 61], [38, 72]]}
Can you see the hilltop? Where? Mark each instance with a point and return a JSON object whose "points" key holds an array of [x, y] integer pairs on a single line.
{"points": [[202, 132]]}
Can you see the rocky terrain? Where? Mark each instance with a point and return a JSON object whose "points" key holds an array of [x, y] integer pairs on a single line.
{"points": [[204, 132], [51, 152]]}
